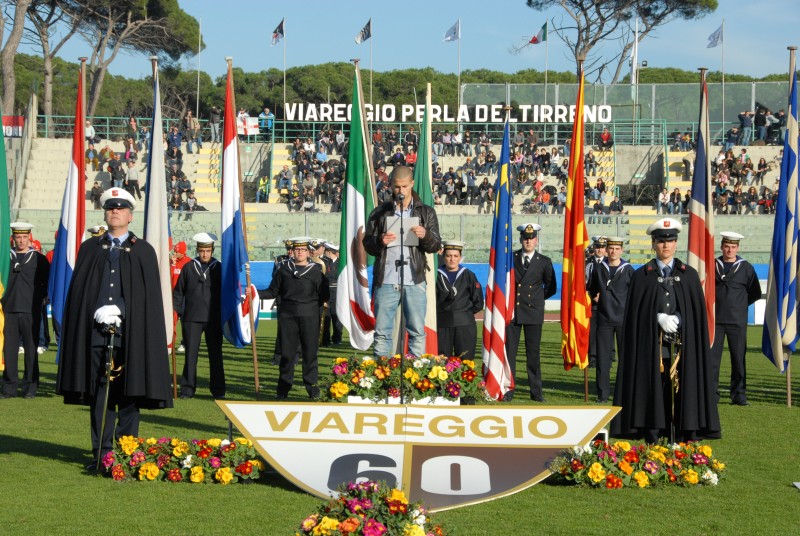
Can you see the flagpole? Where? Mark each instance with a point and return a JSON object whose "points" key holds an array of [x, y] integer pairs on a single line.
{"points": [[229, 60], [723, 76], [370, 63], [284, 107], [199, 44], [458, 84], [83, 83]]}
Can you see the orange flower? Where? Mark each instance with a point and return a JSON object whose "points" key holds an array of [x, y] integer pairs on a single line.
{"points": [[625, 467], [349, 526]]}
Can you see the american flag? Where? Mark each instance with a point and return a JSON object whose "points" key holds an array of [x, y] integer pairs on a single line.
{"points": [[701, 214], [500, 289], [780, 315], [576, 308]]}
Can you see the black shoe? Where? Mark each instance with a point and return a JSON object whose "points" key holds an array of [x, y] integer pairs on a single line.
{"points": [[537, 398], [29, 395], [602, 400], [741, 403], [281, 397], [314, 393], [218, 397], [6, 395], [185, 396], [509, 396], [592, 362]]}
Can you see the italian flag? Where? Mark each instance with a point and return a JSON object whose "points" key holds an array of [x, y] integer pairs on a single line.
{"points": [[541, 37], [353, 304]]}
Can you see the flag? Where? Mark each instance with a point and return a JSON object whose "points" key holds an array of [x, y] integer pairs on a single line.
{"points": [[575, 306], [72, 225], [277, 33], [365, 33], [780, 314], [715, 39], [156, 221], [701, 216], [424, 189], [353, 303], [5, 234], [541, 37], [235, 309], [499, 309], [454, 33]]}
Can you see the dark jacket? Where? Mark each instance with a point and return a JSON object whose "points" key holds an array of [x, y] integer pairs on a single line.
{"points": [[534, 286], [197, 294], [457, 304], [430, 243], [613, 292], [735, 290]]}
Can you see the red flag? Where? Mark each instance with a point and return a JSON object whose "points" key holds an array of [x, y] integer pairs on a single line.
{"points": [[575, 305]]}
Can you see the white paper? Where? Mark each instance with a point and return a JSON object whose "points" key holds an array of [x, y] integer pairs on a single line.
{"points": [[393, 226]]}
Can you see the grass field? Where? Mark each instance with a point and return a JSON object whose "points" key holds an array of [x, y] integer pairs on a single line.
{"points": [[44, 446]]}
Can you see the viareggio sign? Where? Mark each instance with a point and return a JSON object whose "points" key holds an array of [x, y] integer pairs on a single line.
{"points": [[481, 113], [443, 455]]}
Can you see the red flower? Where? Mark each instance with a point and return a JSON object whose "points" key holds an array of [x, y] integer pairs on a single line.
{"points": [[613, 482], [205, 453], [244, 468], [631, 456], [397, 507], [118, 472], [672, 477], [174, 475], [469, 375], [152, 450], [576, 465], [394, 362], [680, 454]]}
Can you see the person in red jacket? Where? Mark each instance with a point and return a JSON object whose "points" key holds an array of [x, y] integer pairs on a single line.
{"points": [[177, 261]]}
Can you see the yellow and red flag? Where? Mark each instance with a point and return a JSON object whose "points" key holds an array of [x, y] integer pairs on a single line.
{"points": [[575, 305]]}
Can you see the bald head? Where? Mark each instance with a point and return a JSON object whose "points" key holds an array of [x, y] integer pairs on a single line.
{"points": [[402, 172]]}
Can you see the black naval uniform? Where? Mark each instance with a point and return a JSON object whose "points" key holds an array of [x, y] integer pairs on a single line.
{"points": [[737, 288], [331, 318], [458, 297], [302, 290], [591, 265], [610, 284], [196, 297], [642, 389], [125, 275], [535, 283], [22, 305], [276, 353]]}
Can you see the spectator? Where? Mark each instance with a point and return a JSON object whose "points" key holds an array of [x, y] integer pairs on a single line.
{"points": [[746, 120], [590, 164], [686, 142], [89, 133], [768, 201], [131, 184], [731, 138], [266, 120], [606, 140], [491, 161], [438, 143], [190, 205], [411, 140], [760, 122], [561, 200], [116, 171], [174, 138], [191, 128], [392, 140], [341, 143], [738, 200], [466, 143], [687, 199], [184, 185], [398, 159], [411, 158], [675, 201], [763, 167], [285, 177], [92, 157], [214, 119], [261, 191], [616, 206], [95, 194], [751, 199]]}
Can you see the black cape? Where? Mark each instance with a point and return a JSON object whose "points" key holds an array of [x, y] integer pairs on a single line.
{"points": [[147, 376], [638, 387]]}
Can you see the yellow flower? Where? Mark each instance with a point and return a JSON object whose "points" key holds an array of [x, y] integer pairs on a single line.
{"points": [[656, 455], [469, 363], [197, 475], [129, 444], [411, 375], [625, 467], [261, 465], [413, 530], [325, 527], [174, 441], [180, 449], [148, 471], [339, 360], [152, 440], [718, 465], [244, 441], [705, 450], [382, 372], [214, 443], [661, 449], [368, 363], [397, 495], [223, 475], [622, 446], [642, 479], [339, 389], [438, 372], [690, 476], [596, 472]]}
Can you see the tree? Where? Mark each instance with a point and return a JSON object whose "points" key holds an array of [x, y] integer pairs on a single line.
{"points": [[153, 27], [10, 50], [594, 22]]}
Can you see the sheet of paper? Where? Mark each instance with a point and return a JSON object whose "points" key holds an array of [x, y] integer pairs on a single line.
{"points": [[393, 226]]}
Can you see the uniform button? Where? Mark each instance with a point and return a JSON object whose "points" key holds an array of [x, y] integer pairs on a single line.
{"points": [[110, 299], [112, 271], [666, 294]]}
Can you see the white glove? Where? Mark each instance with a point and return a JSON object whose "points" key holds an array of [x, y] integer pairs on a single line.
{"points": [[668, 323], [108, 315]]}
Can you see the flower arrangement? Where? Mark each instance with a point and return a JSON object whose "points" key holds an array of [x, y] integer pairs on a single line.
{"points": [[175, 460], [370, 509], [375, 379], [625, 465]]}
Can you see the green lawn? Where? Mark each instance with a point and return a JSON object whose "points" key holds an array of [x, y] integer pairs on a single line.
{"points": [[44, 446]]}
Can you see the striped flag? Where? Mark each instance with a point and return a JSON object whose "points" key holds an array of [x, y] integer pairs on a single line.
{"points": [[701, 215], [5, 234], [156, 221], [780, 315], [424, 188], [499, 309], [353, 304], [365, 33], [72, 226], [235, 311], [575, 306], [540, 37], [278, 33]]}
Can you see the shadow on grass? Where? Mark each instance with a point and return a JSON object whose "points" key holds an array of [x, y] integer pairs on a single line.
{"points": [[42, 449]]}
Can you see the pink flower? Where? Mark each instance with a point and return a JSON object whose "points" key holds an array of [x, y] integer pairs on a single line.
{"points": [[137, 458], [651, 467], [453, 389], [340, 369], [214, 462], [108, 459], [162, 460], [374, 528], [452, 364], [699, 459]]}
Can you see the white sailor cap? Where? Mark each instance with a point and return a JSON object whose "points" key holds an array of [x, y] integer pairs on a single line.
{"points": [[665, 228], [332, 247], [301, 242], [453, 244], [615, 241], [529, 230], [317, 242], [204, 239], [599, 241], [97, 230], [730, 237], [117, 198], [21, 227]]}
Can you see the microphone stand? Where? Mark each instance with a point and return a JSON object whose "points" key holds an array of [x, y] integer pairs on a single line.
{"points": [[400, 265]]}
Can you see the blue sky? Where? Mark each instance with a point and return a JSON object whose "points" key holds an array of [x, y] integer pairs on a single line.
{"points": [[409, 34]]}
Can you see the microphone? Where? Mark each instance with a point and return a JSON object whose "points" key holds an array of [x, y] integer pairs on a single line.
{"points": [[401, 197]]}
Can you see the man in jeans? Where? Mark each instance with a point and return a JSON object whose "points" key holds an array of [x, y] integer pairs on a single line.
{"points": [[383, 243]]}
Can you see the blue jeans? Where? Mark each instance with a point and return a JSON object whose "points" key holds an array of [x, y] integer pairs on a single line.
{"points": [[762, 133], [745, 137], [386, 302]]}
